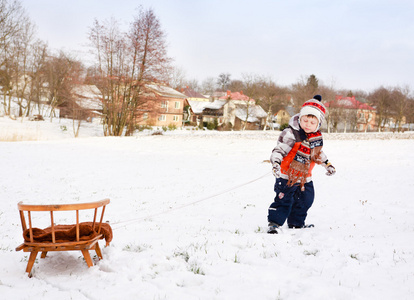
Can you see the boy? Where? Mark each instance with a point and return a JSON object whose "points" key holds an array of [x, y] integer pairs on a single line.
{"points": [[298, 148]]}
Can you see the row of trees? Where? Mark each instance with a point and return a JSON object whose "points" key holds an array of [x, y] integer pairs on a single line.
{"points": [[391, 103], [32, 75], [125, 60], [29, 73]]}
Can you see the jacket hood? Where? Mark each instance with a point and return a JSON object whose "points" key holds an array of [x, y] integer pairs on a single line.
{"points": [[294, 122]]}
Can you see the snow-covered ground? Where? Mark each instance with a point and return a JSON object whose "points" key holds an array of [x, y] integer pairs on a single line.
{"points": [[188, 210]]}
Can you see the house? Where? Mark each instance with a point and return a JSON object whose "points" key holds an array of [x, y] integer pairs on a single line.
{"points": [[193, 95], [205, 112], [86, 104], [391, 125], [347, 113], [162, 106], [251, 117], [241, 112], [283, 115], [201, 110]]}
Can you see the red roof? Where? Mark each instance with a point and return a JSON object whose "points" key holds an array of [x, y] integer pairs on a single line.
{"points": [[235, 96], [191, 93], [348, 102]]}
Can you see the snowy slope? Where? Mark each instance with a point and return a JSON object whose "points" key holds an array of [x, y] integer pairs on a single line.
{"points": [[189, 211]]}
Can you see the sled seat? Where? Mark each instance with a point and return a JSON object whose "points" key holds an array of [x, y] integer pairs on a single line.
{"points": [[81, 236]]}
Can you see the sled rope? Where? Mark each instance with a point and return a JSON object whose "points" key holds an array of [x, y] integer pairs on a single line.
{"points": [[127, 222]]}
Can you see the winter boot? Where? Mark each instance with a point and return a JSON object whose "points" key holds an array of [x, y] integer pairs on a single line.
{"points": [[272, 229]]}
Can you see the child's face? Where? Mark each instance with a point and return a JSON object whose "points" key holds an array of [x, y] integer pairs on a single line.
{"points": [[309, 123]]}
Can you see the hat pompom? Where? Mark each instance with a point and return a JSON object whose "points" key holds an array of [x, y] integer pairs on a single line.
{"points": [[318, 97]]}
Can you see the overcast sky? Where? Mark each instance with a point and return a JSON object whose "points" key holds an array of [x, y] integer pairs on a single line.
{"points": [[350, 44]]}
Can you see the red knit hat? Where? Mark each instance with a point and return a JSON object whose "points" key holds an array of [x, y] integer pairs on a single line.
{"points": [[315, 108]]}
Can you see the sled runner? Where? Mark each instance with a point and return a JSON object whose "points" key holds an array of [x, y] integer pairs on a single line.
{"points": [[81, 236]]}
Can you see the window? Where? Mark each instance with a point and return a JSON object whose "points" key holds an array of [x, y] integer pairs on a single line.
{"points": [[145, 116], [162, 118], [164, 104], [176, 118], [177, 104]]}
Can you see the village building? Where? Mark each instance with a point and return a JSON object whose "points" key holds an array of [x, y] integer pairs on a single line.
{"points": [[200, 110], [283, 116], [348, 114], [162, 106], [193, 95], [241, 112], [86, 103]]}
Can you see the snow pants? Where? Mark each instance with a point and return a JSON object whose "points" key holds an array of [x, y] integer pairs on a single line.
{"points": [[291, 203]]}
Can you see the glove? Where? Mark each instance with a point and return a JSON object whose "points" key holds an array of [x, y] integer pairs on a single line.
{"points": [[276, 169], [330, 169]]}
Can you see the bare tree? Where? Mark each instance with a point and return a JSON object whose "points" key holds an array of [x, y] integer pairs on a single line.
{"points": [[251, 83], [61, 72], [36, 93], [125, 63], [20, 64], [223, 81], [177, 78], [400, 97], [193, 84], [208, 86], [336, 113], [236, 85], [109, 46], [12, 20], [410, 110], [381, 98], [272, 97], [149, 60], [304, 89]]}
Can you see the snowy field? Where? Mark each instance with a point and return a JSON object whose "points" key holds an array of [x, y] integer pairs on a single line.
{"points": [[188, 212]]}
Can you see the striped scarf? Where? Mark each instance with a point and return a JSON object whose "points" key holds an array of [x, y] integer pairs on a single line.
{"points": [[309, 151]]}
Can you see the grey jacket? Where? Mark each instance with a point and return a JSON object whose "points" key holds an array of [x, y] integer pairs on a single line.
{"points": [[287, 139]]}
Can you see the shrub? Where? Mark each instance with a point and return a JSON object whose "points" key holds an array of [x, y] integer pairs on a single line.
{"points": [[142, 127], [283, 126], [211, 126], [172, 127]]}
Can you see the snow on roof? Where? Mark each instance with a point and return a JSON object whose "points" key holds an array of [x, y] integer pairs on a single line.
{"points": [[216, 104], [165, 91], [348, 102], [255, 113], [88, 96], [199, 106]]}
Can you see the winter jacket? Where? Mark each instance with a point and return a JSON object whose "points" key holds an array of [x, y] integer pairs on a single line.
{"points": [[287, 146]]}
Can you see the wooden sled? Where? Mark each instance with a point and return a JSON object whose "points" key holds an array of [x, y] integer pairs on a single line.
{"points": [[80, 236]]}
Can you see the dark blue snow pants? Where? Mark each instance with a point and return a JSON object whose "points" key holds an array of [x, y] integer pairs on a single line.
{"points": [[291, 203]]}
